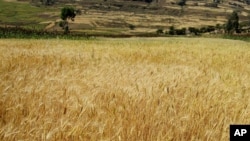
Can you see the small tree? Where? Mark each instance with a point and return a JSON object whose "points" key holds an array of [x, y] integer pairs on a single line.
{"points": [[194, 30], [182, 3], [67, 13], [203, 29], [131, 27], [148, 1], [180, 31], [171, 30], [210, 28], [233, 23], [159, 31]]}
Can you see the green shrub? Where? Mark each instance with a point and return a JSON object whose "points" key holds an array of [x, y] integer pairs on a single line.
{"points": [[210, 28], [194, 30], [131, 27], [159, 31], [203, 29], [171, 30], [182, 2], [232, 23], [180, 31], [67, 13]]}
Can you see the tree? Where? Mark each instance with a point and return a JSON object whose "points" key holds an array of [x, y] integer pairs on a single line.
{"points": [[229, 26], [159, 31], [233, 23], [181, 31], [182, 3], [194, 30], [148, 1], [171, 30], [216, 1], [131, 27], [67, 13]]}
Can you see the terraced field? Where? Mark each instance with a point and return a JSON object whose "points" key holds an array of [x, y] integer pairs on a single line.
{"points": [[117, 16]]}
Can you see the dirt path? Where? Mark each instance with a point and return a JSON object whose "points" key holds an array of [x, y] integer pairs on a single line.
{"points": [[52, 24]]}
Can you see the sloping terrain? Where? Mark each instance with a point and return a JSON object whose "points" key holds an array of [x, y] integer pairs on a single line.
{"points": [[128, 17]]}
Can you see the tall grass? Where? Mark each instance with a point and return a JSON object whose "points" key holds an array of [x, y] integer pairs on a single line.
{"points": [[25, 33], [237, 37], [123, 89]]}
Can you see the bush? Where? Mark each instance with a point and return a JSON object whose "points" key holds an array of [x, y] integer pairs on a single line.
{"points": [[148, 1], [210, 28], [194, 30], [131, 27], [180, 31], [182, 2], [216, 1], [171, 30], [159, 31], [68, 13], [203, 29], [233, 23]]}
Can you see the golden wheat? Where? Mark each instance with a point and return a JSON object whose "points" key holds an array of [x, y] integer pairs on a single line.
{"points": [[136, 89]]}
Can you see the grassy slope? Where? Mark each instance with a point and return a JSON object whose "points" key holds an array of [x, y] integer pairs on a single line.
{"points": [[23, 13], [99, 17], [123, 89]]}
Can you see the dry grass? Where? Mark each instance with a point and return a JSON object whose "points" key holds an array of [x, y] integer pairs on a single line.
{"points": [[123, 89]]}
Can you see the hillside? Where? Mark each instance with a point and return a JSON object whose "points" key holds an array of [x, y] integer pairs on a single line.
{"points": [[123, 16]]}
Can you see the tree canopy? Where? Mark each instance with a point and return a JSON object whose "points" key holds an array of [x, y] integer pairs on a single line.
{"points": [[68, 13], [233, 23]]}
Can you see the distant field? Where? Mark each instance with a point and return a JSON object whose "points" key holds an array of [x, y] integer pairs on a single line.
{"points": [[18, 13], [116, 17], [123, 89]]}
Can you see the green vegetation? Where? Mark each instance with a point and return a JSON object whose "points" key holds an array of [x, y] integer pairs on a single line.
{"points": [[18, 13], [159, 31], [148, 1], [233, 23], [194, 30], [41, 20], [237, 37], [171, 30], [24, 33], [131, 27], [181, 31], [67, 13], [182, 3]]}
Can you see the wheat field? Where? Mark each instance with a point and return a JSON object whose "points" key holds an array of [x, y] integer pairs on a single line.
{"points": [[137, 89]]}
